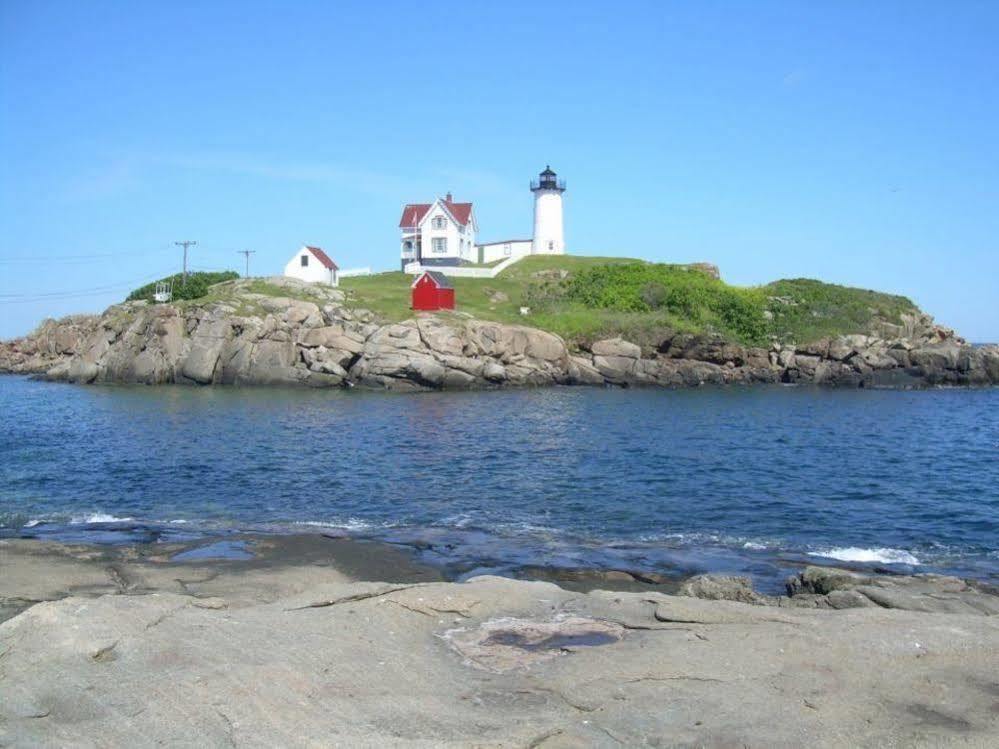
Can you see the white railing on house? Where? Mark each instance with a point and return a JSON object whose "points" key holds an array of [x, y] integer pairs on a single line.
{"points": [[464, 271]]}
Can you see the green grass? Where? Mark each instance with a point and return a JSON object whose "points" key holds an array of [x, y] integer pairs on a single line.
{"points": [[483, 265], [601, 297], [388, 294], [806, 310]]}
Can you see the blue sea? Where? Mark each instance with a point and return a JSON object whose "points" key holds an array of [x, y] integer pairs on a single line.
{"points": [[755, 481]]}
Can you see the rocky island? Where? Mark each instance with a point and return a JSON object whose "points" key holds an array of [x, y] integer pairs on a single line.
{"points": [[281, 331]]}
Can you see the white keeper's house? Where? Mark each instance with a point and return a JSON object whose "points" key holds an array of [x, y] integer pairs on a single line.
{"points": [[443, 233], [313, 265]]}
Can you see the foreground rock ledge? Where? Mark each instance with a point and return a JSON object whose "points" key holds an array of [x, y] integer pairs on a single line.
{"points": [[314, 338], [490, 662]]}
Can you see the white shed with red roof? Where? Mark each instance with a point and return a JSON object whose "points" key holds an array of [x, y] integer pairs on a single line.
{"points": [[313, 265]]}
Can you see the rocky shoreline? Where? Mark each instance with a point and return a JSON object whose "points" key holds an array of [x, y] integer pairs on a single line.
{"points": [[314, 338], [155, 644]]}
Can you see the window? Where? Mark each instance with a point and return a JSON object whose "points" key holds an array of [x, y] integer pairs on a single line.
{"points": [[407, 247], [439, 245], [439, 222], [305, 261], [551, 245], [461, 229]]}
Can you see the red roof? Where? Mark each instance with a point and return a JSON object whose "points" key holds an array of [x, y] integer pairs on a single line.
{"points": [[413, 213], [323, 258], [461, 211]]}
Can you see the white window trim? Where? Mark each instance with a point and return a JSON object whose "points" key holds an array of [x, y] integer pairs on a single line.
{"points": [[439, 245]]}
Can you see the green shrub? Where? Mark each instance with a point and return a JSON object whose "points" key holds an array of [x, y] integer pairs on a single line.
{"points": [[195, 288], [804, 309], [683, 293], [654, 295]]}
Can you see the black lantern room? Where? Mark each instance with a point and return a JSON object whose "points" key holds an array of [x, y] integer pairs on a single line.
{"points": [[548, 180]]}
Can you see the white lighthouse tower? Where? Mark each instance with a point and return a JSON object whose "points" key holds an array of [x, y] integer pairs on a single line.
{"points": [[549, 238]]}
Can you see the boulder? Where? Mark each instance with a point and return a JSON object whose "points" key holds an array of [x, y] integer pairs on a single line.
{"points": [[990, 363], [696, 373], [708, 269], [322, 336], [807, 365], [440, 337], [494, 372], [200, 363], [840, 349], [616, 347], [82, 371], [936, 357], [582, 372], [722, 588], [786, 357], [828, 587], [900, 355], [819, 348], [273, 363], [616, 369]]}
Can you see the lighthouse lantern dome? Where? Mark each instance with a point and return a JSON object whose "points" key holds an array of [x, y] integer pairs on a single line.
{"points": [[548, 180]]}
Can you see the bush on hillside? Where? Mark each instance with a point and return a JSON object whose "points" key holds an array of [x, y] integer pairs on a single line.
{"points": [[805, 309], [196, 287], [654, 295], [684, 293]]}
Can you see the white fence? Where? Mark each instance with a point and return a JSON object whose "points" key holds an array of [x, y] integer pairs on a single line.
{"points": [[464, 271], [354, 272]]}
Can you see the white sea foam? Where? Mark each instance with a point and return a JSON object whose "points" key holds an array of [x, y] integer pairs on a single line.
{"points": [[856, 554], [98, 517], [350, 524]]}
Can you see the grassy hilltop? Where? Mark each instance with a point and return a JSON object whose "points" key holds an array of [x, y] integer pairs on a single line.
{"points": [[587, 298], [584, 299]]}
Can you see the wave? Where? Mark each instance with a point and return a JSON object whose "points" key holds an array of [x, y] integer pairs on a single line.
{"points": [[350, 524], [857, 554], [98, 517]]}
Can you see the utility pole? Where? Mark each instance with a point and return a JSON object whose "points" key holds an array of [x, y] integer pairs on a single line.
{"points": [[246, 253], [185, 244]]}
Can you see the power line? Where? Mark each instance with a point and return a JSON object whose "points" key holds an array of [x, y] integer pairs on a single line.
{"points": [[77, 258], [23, 298], [246, 254], [185, 243]]}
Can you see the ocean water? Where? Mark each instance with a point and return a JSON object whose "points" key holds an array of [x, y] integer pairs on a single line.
{"points": [[754, 481]]}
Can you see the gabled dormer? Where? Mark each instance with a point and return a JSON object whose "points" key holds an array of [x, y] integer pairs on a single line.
{"points": [[444, 210]]}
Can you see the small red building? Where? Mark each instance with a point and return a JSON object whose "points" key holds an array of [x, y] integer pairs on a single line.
{"points": [[432, 291]]}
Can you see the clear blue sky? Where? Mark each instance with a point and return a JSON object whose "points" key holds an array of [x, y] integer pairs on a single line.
{"points": [[854, 142]]}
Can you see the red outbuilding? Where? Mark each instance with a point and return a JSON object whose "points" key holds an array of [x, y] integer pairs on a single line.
{"points": [[432, 291]]}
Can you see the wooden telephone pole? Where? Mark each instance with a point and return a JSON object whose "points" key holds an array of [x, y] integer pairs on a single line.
{"points": [[185, 244], [246, 254]]}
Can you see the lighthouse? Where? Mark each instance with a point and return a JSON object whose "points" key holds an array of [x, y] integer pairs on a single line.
{"points": [[549, 238]]}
